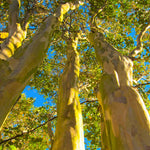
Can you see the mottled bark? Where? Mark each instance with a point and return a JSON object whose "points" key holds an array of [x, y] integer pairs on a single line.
{"points": [[69, 129], [126, 124], [16, 69]]}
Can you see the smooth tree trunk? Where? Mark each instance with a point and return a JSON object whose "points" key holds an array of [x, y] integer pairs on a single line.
{"points": [[126, 122], [17, 62], [69, 128]]}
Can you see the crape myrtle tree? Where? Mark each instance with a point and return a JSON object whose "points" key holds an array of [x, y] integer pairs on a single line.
{"points": [[116, 33], [69, 129]]}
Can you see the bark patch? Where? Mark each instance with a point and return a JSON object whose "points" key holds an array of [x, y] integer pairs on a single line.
{"points": [[147, 148], [121, 99], [133, 131]]}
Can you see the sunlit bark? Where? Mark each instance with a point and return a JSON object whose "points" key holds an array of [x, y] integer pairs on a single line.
{"points": [[126, 123], [69, 129]]}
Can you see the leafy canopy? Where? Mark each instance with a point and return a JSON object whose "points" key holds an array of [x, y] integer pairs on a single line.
{"points": [[121, 22]]}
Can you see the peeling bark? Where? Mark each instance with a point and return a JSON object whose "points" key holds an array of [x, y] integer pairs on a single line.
{"points": [[69, 129], [15, 32], [16, 69], [126, 123], [14, 41]]}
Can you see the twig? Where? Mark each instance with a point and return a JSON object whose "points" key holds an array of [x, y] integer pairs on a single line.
{"points": [[148, 83], [89, 101], [94, 16], [139, 47]]}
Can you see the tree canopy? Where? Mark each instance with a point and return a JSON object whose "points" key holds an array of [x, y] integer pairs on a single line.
{"points": [[125, 25]]}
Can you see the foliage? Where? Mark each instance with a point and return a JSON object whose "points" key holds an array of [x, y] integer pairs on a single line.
{"points": [[121, 21], [23, 118], [91, 119]]}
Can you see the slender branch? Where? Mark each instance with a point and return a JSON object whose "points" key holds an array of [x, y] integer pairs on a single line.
{"points": [[148, 83], [13, 15], [30, 11], [28, 132], [99, 11], [26, 18], [89, 101], [139, 47]]}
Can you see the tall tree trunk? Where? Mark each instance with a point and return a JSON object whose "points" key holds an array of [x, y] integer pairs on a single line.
{"points": [[69, 129], [17, 64], [126, 124]]}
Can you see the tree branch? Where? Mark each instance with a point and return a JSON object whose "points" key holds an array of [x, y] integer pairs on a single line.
{"points": [[13, 16], [26, 19], [139, 47], [148, 83], [94, 16], [89, 101], [28, 132], [64, 8]]}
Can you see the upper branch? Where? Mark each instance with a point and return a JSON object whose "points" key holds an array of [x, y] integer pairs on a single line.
{"points": [[99, 11], [139, 47], [13, 15], [63, 9], [25, 21]]}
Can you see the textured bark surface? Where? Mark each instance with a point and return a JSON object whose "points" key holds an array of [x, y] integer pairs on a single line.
{"points": [[126, 123], [17, 67], [69, 129]]}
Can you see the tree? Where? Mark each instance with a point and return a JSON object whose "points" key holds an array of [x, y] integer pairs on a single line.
{"points": [[68, 105], [12, 76], [119, 130], [123, 113]]}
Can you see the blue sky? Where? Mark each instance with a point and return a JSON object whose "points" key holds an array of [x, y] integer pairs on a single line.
{"points": [[34, 93]]}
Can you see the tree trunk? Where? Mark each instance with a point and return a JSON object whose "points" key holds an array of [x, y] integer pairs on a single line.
{"points": [[69, 129], [17, 64], [126, 124]]}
